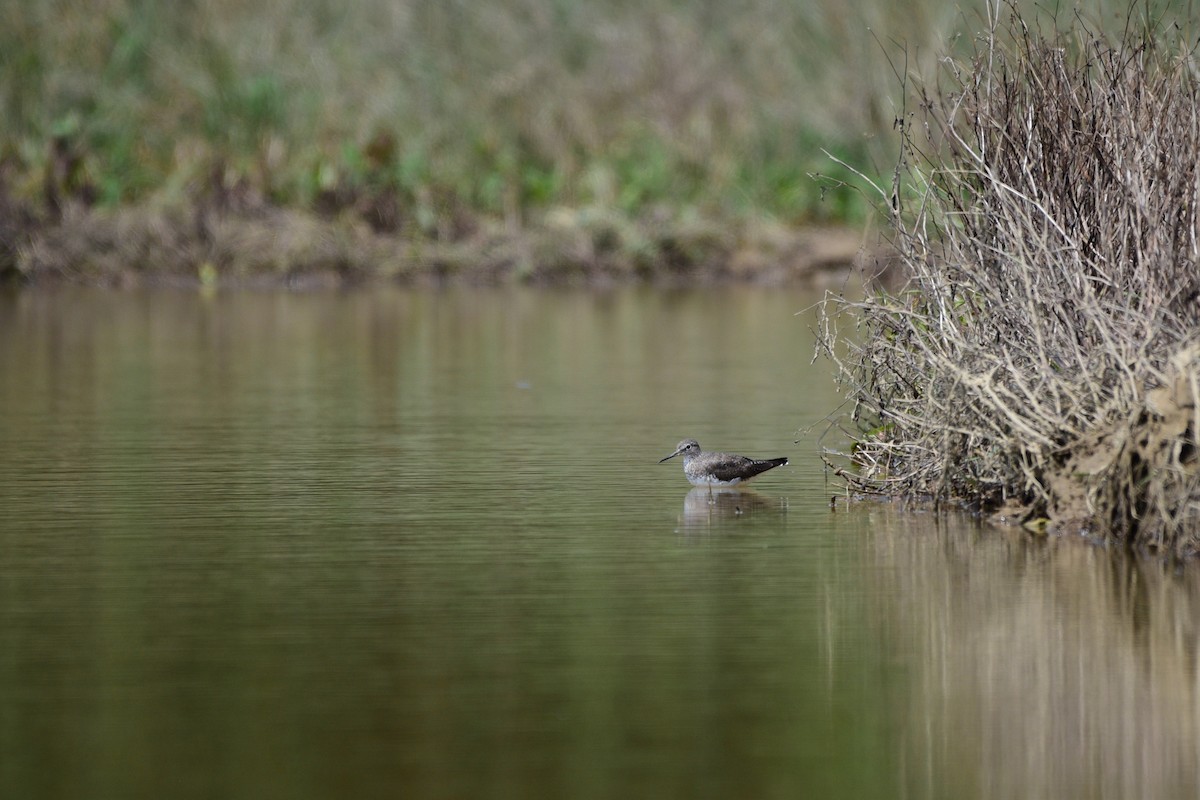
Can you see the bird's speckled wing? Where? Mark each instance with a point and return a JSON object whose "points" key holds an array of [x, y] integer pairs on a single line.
{"points": [[725, 467], [744, 468]]}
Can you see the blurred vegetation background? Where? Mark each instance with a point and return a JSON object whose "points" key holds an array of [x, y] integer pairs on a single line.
{"points": [[499, 108]]}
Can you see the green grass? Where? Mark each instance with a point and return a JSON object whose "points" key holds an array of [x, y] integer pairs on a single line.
{"points": [[502, 108]]}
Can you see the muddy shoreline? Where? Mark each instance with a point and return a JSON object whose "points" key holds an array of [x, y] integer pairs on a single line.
{"points": [[231, 244]]}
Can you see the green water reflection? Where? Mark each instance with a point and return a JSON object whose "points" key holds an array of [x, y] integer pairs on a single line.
{"points": [[418, 544]]}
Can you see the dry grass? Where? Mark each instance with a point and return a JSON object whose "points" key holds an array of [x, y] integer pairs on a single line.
{"points": [[1043, 360]]}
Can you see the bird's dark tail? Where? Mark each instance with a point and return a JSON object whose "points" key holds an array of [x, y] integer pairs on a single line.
{"points": [[761, 466]]}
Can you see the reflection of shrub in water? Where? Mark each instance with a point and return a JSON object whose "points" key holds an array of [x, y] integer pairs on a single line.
{"points": [[1039, 667], [1041, 361]]}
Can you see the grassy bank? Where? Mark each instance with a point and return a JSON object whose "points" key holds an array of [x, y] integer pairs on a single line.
{"points": [[534, 138], [456, 124], [1042, 363], [499, 106]]}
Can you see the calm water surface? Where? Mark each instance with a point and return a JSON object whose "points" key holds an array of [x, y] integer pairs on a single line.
{"points": [[418, 544]]}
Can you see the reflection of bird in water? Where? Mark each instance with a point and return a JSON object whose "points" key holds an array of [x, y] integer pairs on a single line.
{"points": [[706, 506], [719, 469]]}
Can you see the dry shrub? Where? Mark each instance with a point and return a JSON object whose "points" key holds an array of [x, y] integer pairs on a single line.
{"points": [[1043, 359]]}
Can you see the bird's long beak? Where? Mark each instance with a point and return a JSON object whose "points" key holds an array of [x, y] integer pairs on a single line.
{"points": [[668, 458]]}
